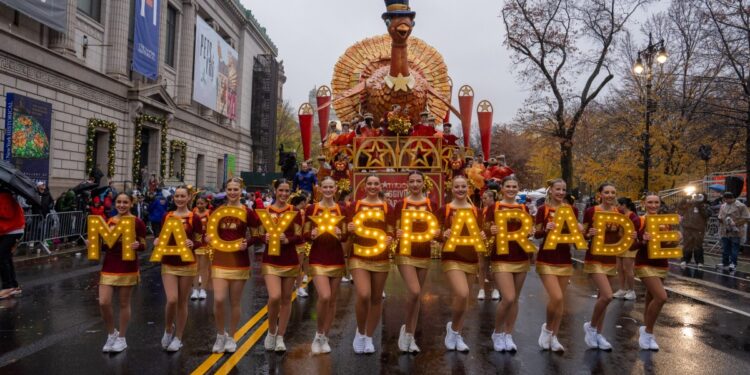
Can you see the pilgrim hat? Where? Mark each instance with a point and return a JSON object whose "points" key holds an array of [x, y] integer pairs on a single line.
{"points": [[398, 8]]}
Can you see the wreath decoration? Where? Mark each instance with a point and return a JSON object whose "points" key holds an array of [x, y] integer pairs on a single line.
{"points": [[93, 124]]}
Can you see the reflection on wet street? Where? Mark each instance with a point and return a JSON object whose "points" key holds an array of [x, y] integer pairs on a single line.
{"points": [[55, 327]]}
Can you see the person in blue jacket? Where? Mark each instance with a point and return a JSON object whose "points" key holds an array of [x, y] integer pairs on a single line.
{"points": [[156, 212]]}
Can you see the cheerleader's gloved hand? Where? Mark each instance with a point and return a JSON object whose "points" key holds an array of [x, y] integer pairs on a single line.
{"points": [[493, 229], [592, 232], [550, 226], [314, 233], [283, 239], [350, 227], [135, 245], [388, 241], [189, 244], [338, 232], [243, 245], [399, 234], [647, 236]]}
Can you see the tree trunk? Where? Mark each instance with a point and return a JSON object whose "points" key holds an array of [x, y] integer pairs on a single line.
{"points": [[566, 162]]}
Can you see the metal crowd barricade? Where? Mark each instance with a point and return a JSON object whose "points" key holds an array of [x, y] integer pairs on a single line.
{"points": [[711, 239], [43, 229], [67, 225], [35, 231]]}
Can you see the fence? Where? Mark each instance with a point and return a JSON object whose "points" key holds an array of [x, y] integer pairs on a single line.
{"points": [[55, 226]]}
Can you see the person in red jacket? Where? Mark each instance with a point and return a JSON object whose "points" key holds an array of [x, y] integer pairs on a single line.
{"points": [[97, 208], [12, 223]]}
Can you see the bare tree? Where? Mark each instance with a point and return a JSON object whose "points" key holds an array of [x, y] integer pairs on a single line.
{"points": [[561, 48], [731, 22]]}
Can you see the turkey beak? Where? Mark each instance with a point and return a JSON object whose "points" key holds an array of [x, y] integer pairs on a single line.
{"points": [[403, 30]]}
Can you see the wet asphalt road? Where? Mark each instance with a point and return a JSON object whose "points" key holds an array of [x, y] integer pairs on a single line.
{"points": [[55, 328]]}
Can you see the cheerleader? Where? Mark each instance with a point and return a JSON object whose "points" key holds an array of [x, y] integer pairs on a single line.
{"points": [[414, 267], [280, 271], [369, 273], [299, 201], [652, 273], [626, 260], [459, 266], [600, 267], [202, 250], [509, 270], [326, 262], [177, 275], [230, 270], [120, 275], [553, 266]]}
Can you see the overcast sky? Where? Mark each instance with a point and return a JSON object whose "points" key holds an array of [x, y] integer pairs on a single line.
{"points": [[312, 34]]}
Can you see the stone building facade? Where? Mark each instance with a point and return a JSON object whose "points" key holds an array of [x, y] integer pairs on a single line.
{"points": [[85, 75]]}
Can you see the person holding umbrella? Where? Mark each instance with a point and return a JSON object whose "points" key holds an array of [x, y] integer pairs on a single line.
{"points": [[12, 223]]}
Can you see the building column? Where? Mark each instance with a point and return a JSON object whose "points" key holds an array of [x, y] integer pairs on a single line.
{"points": [[187, 44], [117, 30], [64, 43]]}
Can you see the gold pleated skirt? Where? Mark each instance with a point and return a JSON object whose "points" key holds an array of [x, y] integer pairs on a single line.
{"points": [[405, 260], [451, 265], [230, 273], [369, 265], [607, 269], [119, 279], [552, 269], [286, 271], [185, 271], [512, 267]]}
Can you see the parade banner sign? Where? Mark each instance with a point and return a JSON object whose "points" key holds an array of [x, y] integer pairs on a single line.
{"points": [[146, 38], [395, 186], [215, 72], [27, 135], [53, 13], [230, 166]]}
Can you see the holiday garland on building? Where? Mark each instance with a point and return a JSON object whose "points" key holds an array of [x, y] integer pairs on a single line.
{"points": [[95, 123], [139, 121], [181, 146]]}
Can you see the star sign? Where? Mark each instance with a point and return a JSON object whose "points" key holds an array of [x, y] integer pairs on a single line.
{"points": [[418, 154], [374, 155], [326, 222], [400, 83]]}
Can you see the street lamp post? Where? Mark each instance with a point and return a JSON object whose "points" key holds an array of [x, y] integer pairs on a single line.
{"points": [[652, 51]]}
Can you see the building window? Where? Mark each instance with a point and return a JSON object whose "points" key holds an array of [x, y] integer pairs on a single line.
{"points": [[171, 35], [91, 8]]}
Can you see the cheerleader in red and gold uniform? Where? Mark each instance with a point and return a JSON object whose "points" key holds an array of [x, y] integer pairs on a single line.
{"points": [[177, 275], [369, 273], [230, 270], [601, 267], [553, 266], [652, 273], [280, 271], [508, 270], [326, 261], [202, 251], [414, 267], [121, 275], [459, 266]]}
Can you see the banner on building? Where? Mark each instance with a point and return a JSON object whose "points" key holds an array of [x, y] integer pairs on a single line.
{"points": [[53, 13], [230, 165], [215, 74], [146, 38], [27, 135]]}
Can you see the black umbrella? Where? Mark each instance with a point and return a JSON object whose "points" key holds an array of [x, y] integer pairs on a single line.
{"points": [[84, 186], [14, 180]]}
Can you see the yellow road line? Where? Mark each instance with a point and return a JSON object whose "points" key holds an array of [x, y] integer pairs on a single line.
{"points": [[213, 358], [242, 350]]}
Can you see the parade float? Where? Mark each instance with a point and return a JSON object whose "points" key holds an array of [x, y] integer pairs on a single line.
{"points": [[392, 93]]}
